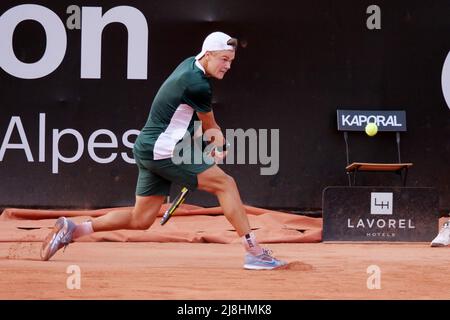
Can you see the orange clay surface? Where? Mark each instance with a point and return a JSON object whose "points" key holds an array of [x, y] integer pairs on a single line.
{"points": [[150, 270]]}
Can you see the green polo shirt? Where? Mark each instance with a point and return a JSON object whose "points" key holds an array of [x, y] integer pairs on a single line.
{"points": [[173, 112]]}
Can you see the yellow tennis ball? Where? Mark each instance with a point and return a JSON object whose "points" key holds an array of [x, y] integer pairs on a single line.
{"points": [[371, 129]]}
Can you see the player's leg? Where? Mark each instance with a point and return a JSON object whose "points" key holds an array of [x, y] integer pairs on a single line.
{"points": [[151, 191], [217, 182], [140, 217], [223, 186], [209, 177]]}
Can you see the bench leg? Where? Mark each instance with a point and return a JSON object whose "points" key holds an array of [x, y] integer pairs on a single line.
{"points": [[404, 177]]}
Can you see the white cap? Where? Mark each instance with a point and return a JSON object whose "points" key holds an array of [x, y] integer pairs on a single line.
{"points": [[215, 41]]}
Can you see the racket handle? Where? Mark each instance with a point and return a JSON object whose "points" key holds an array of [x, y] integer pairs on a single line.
{"points": [[165, 217], [176, 203]]}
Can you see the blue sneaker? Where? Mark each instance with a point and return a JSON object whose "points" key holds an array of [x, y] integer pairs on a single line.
{"points": [[264, 261], [60, 236]]}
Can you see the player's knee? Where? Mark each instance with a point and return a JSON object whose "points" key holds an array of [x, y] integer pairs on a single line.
{"points": [[141, 224], [230, 182], [224, 183]]}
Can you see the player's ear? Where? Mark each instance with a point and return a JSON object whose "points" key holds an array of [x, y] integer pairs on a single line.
{"points": [[206, 56]]}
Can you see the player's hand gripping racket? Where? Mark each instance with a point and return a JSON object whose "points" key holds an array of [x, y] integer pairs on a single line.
{"points": [[176, 203]]}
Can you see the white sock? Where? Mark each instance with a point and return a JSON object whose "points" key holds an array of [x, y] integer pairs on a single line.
{"points": [[251, 245], [83, 229]]}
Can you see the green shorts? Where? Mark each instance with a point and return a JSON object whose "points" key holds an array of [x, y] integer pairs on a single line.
{"points": [[156, 176]]}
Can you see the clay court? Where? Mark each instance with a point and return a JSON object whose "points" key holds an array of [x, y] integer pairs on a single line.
{"points": [[335, 113], [130, 265]]}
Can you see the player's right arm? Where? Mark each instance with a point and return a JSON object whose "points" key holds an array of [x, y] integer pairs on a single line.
{"points": [[211, 129], [198, 95]]}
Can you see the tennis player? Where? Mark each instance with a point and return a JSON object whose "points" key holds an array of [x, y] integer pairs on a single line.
{"points": [[183, 98]]}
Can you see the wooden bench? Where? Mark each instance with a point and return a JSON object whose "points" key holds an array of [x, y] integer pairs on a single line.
{"points": [[400, 168]]}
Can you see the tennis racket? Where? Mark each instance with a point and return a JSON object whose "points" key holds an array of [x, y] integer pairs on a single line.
{"points": [[176, 203]]}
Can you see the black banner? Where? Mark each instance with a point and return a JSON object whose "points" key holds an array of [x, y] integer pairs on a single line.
{"points": [[77, 80], [380, 214]]}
